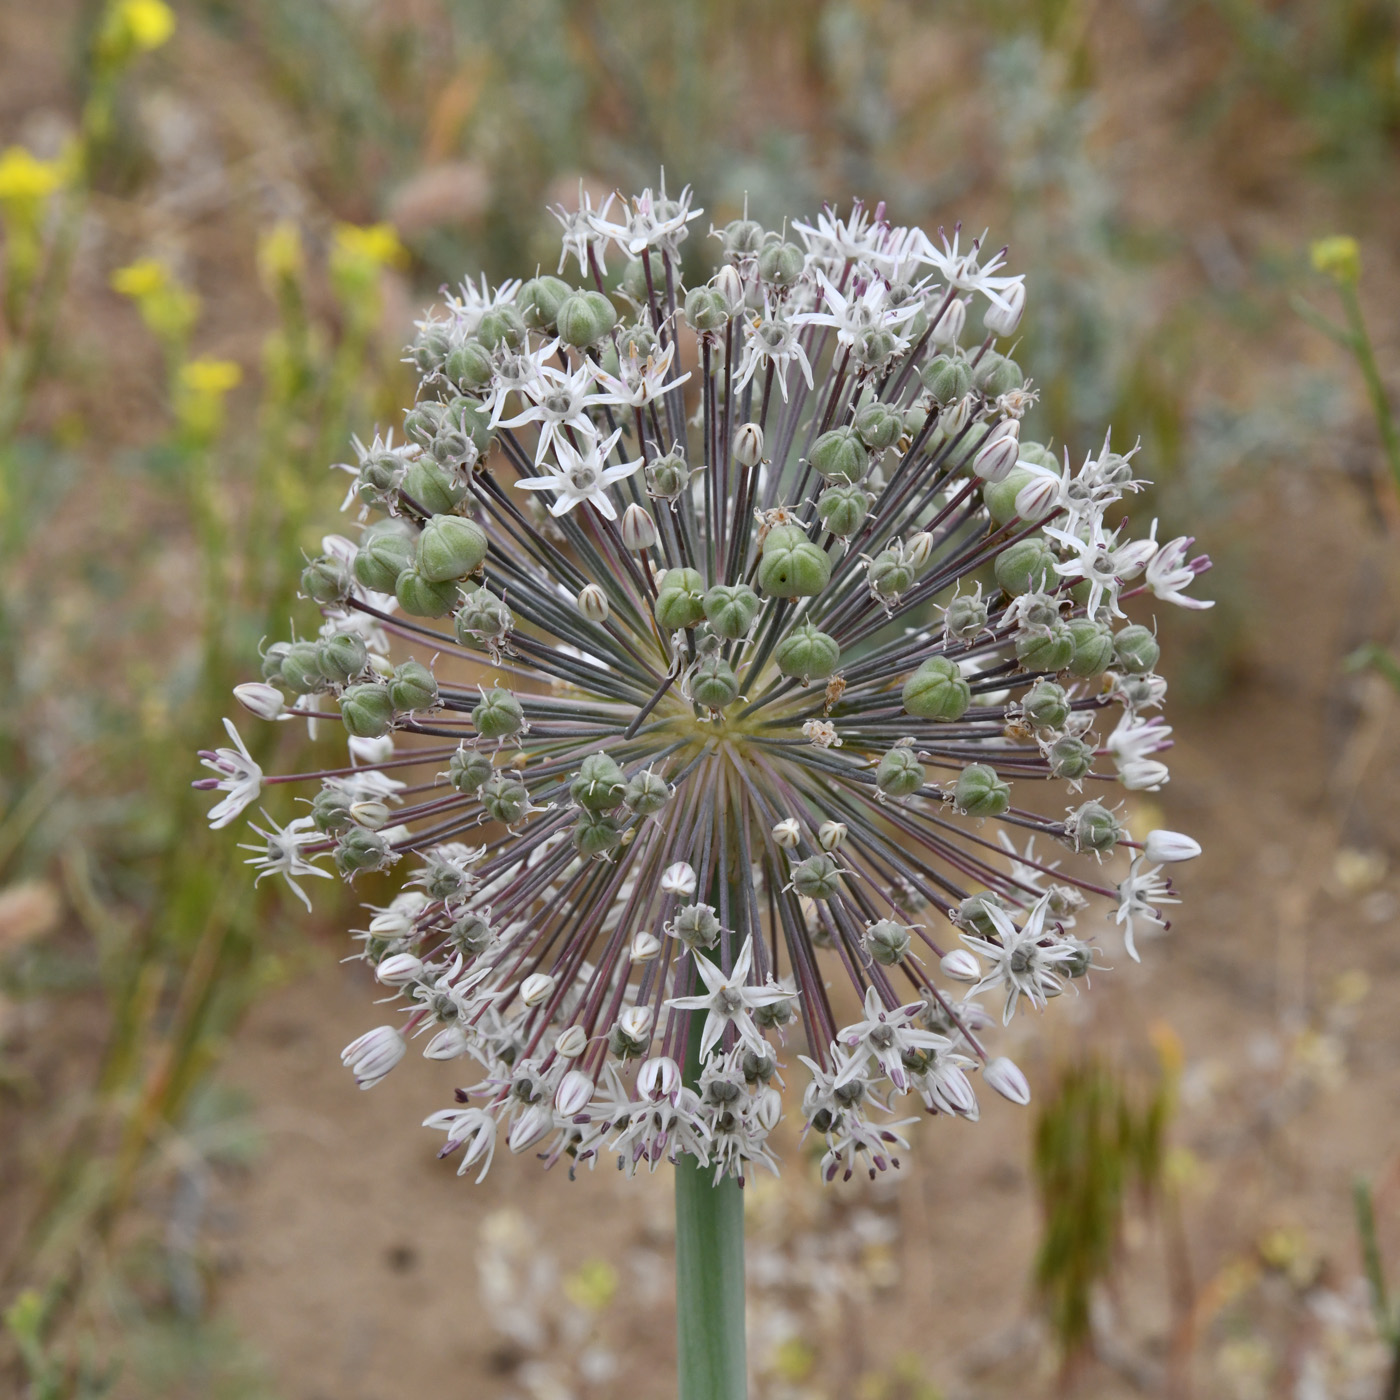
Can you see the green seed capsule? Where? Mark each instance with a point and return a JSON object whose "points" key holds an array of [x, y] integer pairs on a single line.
{"points": [[681, 601], [412, 687], [505, 798], [584, 318], [900, 774], [430, 487], [730, 609], [966, 616], [890, 573], [1000, 496], [713, 682], [807, 653], [1070, 758], [937, 691], [482, 619], [840, 455], [887, 941], [843, 508], [817, 877], [361, 849], [343, 657], [972, 913], [1045, 649], [947, 378], [468, 768], [706, 309], [1136, 650], [421, 598], [1093, 647], [469, 365], [367, 711], [330, 809], [647, 793], [498, 715], [791, 566], [1094, 828], [596, 833], [980, 793], [599, 784], [326, 580], [1026, 566], [995, 375], [539, 301], [780, 264], [501, 325], [879, 426], [301, 668], [382, 556], [450, 548], [1045, 705]]}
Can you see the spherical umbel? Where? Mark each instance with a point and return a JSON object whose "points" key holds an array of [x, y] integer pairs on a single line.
{"points": [[699, 643]]}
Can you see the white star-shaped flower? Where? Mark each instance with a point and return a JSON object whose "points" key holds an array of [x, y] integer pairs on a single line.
{"points": [[582, 476], [729, 1001]]}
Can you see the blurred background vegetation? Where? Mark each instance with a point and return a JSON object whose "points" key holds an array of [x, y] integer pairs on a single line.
{"points": [[219, 220]]}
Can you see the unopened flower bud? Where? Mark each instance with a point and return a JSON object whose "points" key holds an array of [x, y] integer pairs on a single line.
{"points": [[748, 445], [575, 1088], [593, 603], [399, 969], [646, 947], [948, 328], [535, 988], [659, 1078], [1165, 846], [787, 833], [635, 1022], [730, 286], [1038, 497], [679, 879], [1003, 320], [570, 1044], [369, 813], [374, 1054], [638, 528], [919, 550], [961, 965], [1003, 1076], [259, 698], [1000, 449], [937, 691], [830, 835]]}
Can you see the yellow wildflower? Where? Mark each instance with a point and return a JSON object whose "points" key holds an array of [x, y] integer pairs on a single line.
{"points": [[1338, 257], [25, 179], [146, 23], [371, 243], [210, 377]]}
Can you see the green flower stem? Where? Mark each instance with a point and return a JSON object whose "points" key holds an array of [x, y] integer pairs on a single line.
{"points": [[709, 1285]]}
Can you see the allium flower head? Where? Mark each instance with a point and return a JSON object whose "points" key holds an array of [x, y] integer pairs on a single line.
{"points": [[673, 702]]}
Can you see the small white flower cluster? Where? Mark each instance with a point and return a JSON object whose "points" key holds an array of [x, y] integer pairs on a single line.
{"points": [[738, 660]]}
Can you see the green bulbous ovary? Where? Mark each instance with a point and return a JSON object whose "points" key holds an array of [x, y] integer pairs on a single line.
{"points": [[937, 691], [791, 566]]}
